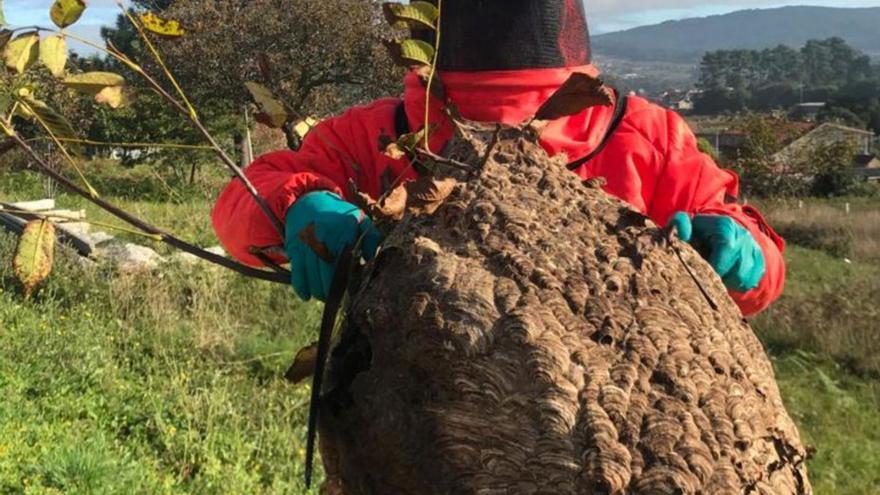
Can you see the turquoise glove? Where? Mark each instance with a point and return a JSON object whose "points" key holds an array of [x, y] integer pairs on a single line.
{"points": [[337, 224], [726, 245]]}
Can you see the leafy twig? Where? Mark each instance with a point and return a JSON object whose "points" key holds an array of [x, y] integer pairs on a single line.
{"points": [[91, 142], [431, 74], [67, 156], [140, 224], [50, 216], [193, 117]]}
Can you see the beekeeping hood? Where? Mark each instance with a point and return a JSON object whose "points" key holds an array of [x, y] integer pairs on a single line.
{"points": [[500, 60], [487, 35]]}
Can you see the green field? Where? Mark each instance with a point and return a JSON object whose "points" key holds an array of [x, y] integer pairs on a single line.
{"points": [[171, 382]]}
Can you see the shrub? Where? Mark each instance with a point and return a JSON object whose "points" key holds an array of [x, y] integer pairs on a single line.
{"points": [[835, 240]]}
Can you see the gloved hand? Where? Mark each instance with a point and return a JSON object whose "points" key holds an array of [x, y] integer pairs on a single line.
{"points": [[337, 224], [726, 245]]}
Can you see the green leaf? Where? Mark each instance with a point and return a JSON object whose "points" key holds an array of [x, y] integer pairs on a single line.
{"points": [[57, 123], [408, 53], [2, 17], [93, 82], [35, 254], [415, 15], [273, 112], [53, 54], [22, 52], [66, 12], [168, 28]]}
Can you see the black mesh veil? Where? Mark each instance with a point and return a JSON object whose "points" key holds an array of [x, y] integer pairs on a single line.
{"points": [[480, 35]]}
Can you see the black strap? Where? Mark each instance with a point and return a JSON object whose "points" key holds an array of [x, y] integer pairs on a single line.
{"points": [[401, 127], [401, 121], [338, 288], [616, 119]]}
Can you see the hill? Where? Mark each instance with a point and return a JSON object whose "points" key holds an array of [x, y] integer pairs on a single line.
{"points": [[686, 40]]}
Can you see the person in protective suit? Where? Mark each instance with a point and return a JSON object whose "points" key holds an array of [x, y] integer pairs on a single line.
{"points": [[499, 60]]}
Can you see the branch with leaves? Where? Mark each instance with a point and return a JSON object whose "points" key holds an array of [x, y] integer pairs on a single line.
{"points": [[22, 51]]}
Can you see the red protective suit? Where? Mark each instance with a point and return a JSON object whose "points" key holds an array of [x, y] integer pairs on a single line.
{"points": [[651, 161]]}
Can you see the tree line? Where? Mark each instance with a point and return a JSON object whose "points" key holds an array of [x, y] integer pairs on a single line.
{"points": [[827, 71]]}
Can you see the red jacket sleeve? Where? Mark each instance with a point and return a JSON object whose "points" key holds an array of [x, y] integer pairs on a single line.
{"points": [[337, 154], [691, 181]]}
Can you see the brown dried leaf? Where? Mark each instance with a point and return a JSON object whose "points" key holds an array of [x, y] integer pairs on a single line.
{"points": [[425, 195], [394, 152], [392, 206], [303, 364], [310, 238], [390, 148], [579, 92]]}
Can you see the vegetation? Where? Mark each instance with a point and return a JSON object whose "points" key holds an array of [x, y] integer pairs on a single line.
{"points": [[761, 80], [821, 170], [687, 40], [172, 382]]}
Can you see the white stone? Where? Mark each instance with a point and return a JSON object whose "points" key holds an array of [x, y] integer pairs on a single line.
{"points": [[130, 257], [99, 237], [219, 251]]}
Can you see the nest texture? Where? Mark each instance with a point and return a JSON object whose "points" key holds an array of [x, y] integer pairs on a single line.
{"points": [[535, 335]]}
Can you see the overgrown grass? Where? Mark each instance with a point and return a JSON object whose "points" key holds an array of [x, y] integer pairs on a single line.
{"points": [[826, 226], [166, 383], [172, 382]]}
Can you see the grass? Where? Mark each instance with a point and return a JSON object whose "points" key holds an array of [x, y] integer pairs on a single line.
{"points": [[172, 383], [824, 225]]}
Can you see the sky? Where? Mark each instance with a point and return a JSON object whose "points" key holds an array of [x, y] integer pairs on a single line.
{"points": [[605, 15]]}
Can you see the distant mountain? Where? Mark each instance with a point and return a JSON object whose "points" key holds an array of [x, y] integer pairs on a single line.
{"points": [[687, 40]]}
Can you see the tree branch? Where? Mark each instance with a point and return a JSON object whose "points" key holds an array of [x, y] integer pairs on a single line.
{"points": [[197, 123], [144, 226]]}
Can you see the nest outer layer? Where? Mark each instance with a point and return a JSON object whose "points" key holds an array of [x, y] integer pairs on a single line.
{"points": [[535, 335]]}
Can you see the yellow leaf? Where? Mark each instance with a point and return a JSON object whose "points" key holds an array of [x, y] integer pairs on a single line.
{"points": [[22, 52], [415, 15], [273, 112], [408, 53], [113, 96], [65, 12], [2, 17], [305, 125], [163, 27], [35, 254], [53, 54], [93, 82]]}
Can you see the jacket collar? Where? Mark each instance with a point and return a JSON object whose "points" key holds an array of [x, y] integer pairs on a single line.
{"points": [[509, 97]]}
